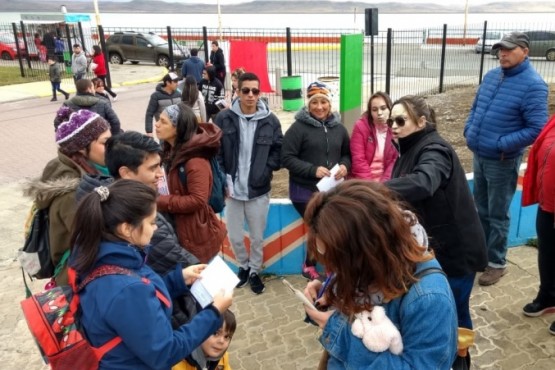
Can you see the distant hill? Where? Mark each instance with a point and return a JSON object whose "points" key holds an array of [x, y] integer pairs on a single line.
{"points": [[267, 6]]}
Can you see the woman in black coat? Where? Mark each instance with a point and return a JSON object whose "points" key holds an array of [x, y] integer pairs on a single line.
{"points": [[429, 176]]}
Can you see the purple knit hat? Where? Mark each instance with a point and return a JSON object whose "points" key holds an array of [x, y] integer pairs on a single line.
{"points": [[82, 128]]}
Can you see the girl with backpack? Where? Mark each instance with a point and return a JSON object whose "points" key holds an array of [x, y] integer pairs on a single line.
{"points": [[113, 225], [80, 137], [188, 149]]}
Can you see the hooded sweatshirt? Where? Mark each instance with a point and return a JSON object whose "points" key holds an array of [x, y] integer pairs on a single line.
{"points": [[251, 146], [193, 67], [159, 100], [212, 90]]}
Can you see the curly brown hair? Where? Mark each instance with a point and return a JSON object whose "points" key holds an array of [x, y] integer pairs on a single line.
{"points": [[366, 242]]}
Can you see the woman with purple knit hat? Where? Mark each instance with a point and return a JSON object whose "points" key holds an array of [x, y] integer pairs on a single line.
{"points": [[80, 137]]}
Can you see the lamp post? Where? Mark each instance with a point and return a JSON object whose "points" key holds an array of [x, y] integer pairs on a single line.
{"points": [[465, 17], [219, 20], [96, 13]]}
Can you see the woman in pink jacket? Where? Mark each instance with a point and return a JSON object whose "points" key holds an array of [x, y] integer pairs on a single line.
{"points": [[372, 150]]}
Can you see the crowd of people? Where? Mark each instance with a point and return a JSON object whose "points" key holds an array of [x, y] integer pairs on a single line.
{"points": [[401, 231]]}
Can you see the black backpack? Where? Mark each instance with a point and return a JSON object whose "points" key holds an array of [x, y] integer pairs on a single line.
{"points": [[219, 186], [35, 256]]}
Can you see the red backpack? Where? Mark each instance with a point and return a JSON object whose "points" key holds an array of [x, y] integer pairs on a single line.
{"points": [[53, 319]]}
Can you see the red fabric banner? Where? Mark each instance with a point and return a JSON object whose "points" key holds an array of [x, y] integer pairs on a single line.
{"points": [[252, 57]]}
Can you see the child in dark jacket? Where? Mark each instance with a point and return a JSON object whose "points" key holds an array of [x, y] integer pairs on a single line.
{"points": [[212, 354], [55, 73]]}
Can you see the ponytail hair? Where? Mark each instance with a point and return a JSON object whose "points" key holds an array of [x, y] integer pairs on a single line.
{"points": [[101, 212]]}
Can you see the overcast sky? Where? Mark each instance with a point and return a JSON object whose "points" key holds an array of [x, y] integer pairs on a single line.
{"points": [[442, 2]]}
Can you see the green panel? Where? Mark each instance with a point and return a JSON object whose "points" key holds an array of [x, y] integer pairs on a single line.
{"points": [[350, 84]]}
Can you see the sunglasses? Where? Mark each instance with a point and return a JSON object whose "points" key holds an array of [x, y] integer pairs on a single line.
{"points": [[399, 120], [246, 90]]}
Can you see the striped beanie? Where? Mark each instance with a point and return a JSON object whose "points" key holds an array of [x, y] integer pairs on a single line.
{"points": [[318, 90], [82, 128]]}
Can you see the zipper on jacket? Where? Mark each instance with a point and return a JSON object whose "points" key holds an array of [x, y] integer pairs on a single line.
{"points": [[327, 147]]}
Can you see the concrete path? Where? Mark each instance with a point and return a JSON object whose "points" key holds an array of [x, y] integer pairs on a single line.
{"points": [[271, 333]]}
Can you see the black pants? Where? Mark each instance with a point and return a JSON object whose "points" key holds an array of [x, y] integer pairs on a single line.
{"points": [[106, 88], [300, 207], [546, 256]]}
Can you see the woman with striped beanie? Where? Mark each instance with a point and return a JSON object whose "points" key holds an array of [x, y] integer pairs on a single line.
{"points": [[80, 137]]}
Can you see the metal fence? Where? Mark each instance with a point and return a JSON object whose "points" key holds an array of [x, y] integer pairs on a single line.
{"points": [[419, 61]]}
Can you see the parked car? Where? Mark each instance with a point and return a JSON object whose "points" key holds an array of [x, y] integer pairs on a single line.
{"points": [[8, 51], [492, 37], [542, 44], [142, 47]]}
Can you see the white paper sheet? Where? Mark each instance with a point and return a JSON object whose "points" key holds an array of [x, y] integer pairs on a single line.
{"points": [[215, 277], [329, 182]]}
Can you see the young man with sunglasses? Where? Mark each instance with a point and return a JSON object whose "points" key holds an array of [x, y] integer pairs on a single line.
{"points": [[249, 153], [507, 115]]}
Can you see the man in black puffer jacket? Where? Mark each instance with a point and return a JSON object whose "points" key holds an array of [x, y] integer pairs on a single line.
{"points": [[134, 156], [85, 99]]}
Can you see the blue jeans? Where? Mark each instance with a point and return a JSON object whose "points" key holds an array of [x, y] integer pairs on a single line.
{"points": [[461, 286], [494, 187]]}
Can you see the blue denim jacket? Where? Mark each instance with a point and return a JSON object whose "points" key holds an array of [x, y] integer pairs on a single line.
{"points": [[427, 319]]}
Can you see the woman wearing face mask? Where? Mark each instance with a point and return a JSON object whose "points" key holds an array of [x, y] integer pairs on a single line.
{"points": [[314, 143], [429, 176], [372, 150]]}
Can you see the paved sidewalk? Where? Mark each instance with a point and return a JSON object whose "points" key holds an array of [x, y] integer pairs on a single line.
{"points": [[122, 75], [271, 334]]}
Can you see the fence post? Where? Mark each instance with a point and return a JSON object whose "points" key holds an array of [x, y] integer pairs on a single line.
{"points": [[67, 58], [205, 40], [26, 44], [483, 54], [372, 63], [388, 62], [19, 51], [442, 67], [106, 56], [288, 53], [82, 37], [170, 48]]}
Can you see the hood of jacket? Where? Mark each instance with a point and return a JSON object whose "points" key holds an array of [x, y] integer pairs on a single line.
{"points": [[84, 100], [204, 143], [304, 116], [196, 60], [262, 110], [89, 182], [120, 253], [60, 176], [44, 192]]}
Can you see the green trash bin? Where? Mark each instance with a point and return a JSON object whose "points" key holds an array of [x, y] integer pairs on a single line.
{"points": [[291, 92]]}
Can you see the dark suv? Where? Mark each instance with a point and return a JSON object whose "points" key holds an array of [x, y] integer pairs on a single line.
{"points": [[143, 47]]}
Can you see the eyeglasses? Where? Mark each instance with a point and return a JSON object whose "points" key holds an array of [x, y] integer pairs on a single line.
{"points": [[246, 90], [399, 120]]}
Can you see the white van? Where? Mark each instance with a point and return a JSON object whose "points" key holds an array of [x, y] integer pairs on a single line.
{"points": [[492, 37]]}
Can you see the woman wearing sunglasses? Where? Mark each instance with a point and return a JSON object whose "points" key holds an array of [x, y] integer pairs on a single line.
{"points": [[429, 176], [314, 143], [372, 149]]}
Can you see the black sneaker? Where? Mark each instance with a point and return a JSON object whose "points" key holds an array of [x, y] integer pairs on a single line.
{"points": [[243, 276], [552, 328], [257, 286], [536, 309]]}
